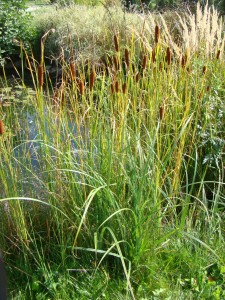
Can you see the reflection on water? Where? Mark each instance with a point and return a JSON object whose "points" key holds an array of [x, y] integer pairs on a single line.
{"points": [[37, 143]]}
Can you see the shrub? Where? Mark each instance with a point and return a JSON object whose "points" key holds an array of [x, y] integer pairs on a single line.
{"points": [[14, 25]]}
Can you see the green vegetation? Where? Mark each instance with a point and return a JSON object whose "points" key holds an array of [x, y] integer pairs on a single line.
{"points": [[112, 168]]}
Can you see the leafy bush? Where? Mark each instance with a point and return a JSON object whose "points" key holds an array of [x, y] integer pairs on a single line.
{"points": [[14, 26]]}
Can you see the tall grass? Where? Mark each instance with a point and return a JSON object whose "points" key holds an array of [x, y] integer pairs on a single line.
{"points": [[120, 192]]}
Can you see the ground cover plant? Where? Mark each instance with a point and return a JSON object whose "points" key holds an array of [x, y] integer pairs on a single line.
{"points": [[112, 173]]}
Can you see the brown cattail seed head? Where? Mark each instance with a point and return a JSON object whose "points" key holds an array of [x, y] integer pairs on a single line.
{"points": [[168, 56], [144, 62], [161, 112], [203, 70], [1, 127], [153, 55], [124, 88], [127, 59], [117, 86], [183, 60], [218, 54], [73, 70], [112, 88], [157, 34], [92, 79], [116, 42], [137, 77], [81, 86], [115, 60], [41, 75]]}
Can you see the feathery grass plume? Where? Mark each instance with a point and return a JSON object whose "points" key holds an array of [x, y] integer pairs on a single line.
{"points": [[127, 59], [116, 42], [161, 112], [124, 88], [115, 60], [1, 127], [81, 86], [218, 54], [73, 71], [137, 77], [117, 86], [144, 62], [92, 79], [204, 70], [41, 75], [168, 56], [157, 34]]}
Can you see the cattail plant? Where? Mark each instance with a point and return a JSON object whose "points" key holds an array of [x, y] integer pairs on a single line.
{"points": [[41, 75], [218, 54], [116, 42], [116, 64], [1, 127], [136, 77], [112, 88], [124, 88], [144, 62], [161, 112], [153, 55], [157, 34], [168, 56], [117, 86], [183, 60], [127, 59], [92, 79], [203, 70], [81, 86], [73, 71]]}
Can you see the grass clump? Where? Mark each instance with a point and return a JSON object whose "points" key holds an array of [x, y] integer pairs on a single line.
{"points": [[117, 189]]}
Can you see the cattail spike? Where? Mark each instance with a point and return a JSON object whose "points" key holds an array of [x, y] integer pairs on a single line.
{"points": [[92, 79], [137, 77], [127, 59], [144, 62], [117, 86], [116, 42], [218, 54], [168, 56], [41, 75], [124, 88], [115, 60], [73, 71], [153, 55], [161, 112], [1, 127], [81, 87], [157, 34], [203, 70]]}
